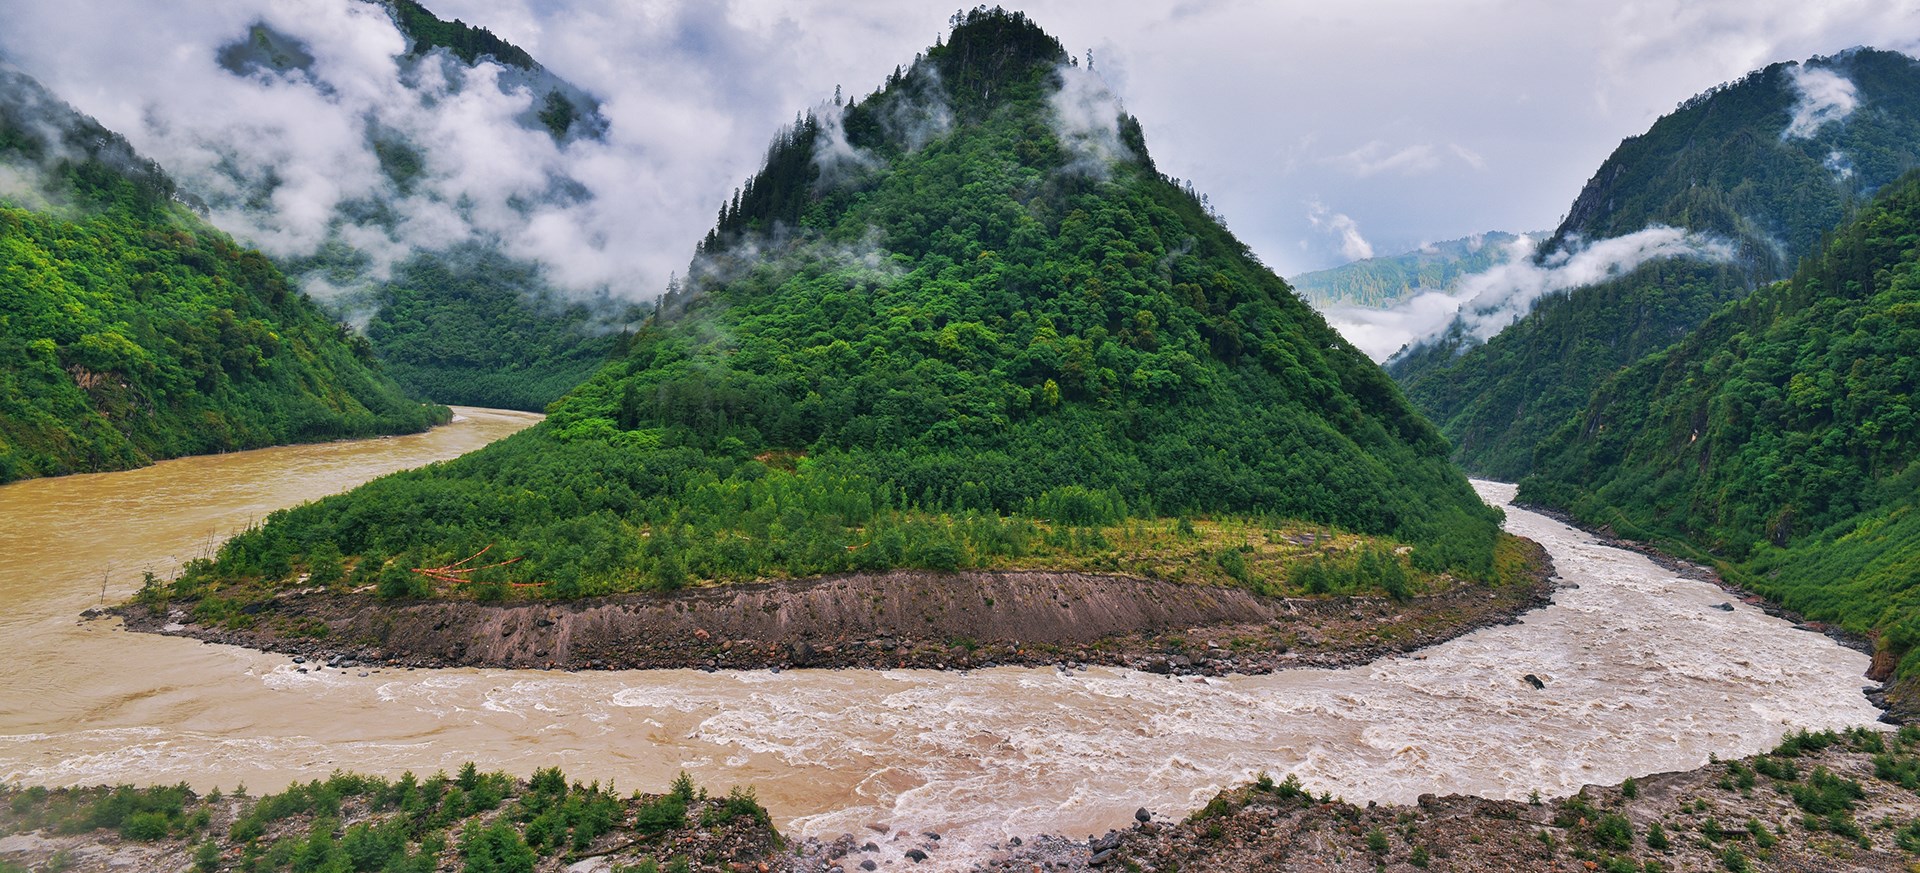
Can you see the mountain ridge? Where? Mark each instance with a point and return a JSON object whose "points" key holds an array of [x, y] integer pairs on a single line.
{"points": [[1724, 166]]}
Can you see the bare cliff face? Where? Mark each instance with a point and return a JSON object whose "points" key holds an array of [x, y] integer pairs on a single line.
{"points": [[900, 618]]}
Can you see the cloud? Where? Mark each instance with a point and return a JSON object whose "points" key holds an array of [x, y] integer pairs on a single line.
{"points": [[1469, 156], [1825, 97], [1086, 117], [1377, 157], [1839, 165], [1354, 246], [1486, 302], [694, 88]]}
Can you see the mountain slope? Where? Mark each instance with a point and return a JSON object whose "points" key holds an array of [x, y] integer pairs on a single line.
{"points": [[1780, 436], [1384, 281], [460, 322], [959, 323], [1740, 165], [131, 331]]}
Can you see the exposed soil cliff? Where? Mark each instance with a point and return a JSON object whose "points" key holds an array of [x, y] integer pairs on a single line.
{"points": [[902, 618]]}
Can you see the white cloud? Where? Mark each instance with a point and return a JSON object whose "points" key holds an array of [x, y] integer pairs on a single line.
{"points": [[1354, 246], [695, 89], [1825, 97], [1488, 301], [1086, 117], [1377, 157]]}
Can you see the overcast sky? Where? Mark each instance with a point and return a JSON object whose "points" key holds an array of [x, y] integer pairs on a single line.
{"points": [[1322, 131]]}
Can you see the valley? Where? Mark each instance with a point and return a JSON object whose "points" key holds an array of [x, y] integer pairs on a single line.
{"points": [[974, 488]]}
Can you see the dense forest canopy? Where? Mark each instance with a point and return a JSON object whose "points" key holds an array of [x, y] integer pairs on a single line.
{"points": [[130, 330], [1780, 436], [1730, 164], [948, 324]]}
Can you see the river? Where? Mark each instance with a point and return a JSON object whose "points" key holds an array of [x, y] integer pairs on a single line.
{"points": [[1644, 673]]}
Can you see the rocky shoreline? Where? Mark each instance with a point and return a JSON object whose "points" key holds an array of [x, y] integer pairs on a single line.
{"points": [[1822, 802], [963, 620], [1899, 700]]}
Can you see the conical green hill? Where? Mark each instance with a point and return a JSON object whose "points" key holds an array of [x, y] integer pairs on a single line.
{"points": [[961, 322]]}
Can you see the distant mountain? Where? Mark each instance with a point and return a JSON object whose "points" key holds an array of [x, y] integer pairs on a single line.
{"points": [[962, 322], [1781, 435], [131, 331], [1382, 282], [462, 322], [1756, 170]]}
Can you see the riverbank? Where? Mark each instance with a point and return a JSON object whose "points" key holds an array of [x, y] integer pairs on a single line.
{"points": [[900, 619], [1820, 802], [1833, 802], [1898, 699]]}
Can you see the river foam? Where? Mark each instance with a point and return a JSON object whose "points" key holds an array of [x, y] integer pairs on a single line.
{"points": [[1643, 672]]}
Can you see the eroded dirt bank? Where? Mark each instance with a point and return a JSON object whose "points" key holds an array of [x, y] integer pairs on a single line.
{"points": [[897, 619]]}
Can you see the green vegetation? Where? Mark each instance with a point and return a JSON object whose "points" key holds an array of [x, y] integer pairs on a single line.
{"points": [[968, 350], [469, 43], [473, 822], [1780, 437], [1387, 280], [1718, 165], [473, 328], [132, 331]]}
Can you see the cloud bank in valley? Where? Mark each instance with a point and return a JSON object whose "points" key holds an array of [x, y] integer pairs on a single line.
{"points": [[1488, 301]]}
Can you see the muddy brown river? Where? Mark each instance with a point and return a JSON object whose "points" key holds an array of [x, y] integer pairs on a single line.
{"points": [[1643, 674]]}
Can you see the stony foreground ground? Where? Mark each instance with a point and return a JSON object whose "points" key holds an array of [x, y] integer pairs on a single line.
{"points": [[1820, 802]]}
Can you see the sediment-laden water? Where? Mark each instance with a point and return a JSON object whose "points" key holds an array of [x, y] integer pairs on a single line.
{"points": [[1642, 671]]}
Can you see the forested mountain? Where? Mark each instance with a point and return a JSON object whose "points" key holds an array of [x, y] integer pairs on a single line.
{"points": [[962, 322], [1780, 436], [462, 323], [1760, 168], [1384, 281], [130, 330]]}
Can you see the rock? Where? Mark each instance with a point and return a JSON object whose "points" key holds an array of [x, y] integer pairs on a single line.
{"points": [[931, 836], [869, 847], [297, 659], [1015, 842], [1534, 681], [1157, 665], [869, 865], [1105, 844], [1884, 663], [1142, 816], [1100, 859], [877, 827], [801, 652], [1724, 607], [1180, 662], [916, 856]]}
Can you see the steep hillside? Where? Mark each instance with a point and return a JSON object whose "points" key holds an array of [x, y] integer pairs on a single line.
{"points": [[962, 323], [459, 323], [132, 331], [1758, 168], [1781, 436], [1384, 281]]}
